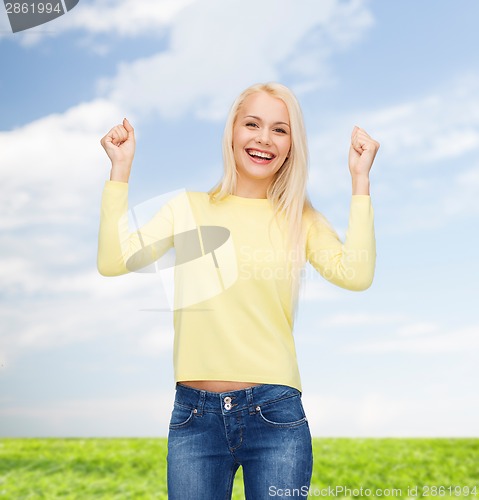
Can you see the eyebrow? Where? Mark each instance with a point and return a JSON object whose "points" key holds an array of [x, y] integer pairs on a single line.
{"points": [[259, 119]]}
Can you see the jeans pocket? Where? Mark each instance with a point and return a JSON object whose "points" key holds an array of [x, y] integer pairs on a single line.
{"points": [[288, 412], [181, 416]]}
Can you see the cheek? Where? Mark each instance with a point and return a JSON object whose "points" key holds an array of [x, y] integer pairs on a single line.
{"points": [[239, 139], [286, 147], [238, 144]]}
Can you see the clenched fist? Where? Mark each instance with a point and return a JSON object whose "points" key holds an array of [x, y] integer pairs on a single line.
{"points": [[361, 156], [119, 144]]}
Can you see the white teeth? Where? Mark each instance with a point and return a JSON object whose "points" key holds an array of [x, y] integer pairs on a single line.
{"points": [[260, 154]]}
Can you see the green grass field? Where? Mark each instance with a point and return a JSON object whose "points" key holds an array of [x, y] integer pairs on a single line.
{"points": [[136, 468]]}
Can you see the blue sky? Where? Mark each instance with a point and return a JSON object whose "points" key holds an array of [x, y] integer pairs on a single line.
{"points": [[80, 356]]}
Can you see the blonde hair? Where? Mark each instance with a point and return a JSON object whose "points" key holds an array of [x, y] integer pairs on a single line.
{"points": [[287, 191]]}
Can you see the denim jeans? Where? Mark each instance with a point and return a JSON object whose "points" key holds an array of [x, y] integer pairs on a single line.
{"points": [[262, 428]]}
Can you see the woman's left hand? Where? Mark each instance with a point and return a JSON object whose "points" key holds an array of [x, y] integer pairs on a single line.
{"points": [[361, 153]]}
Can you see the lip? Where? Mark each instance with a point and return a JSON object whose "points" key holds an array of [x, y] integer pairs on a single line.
{"points": [[260, 161]]}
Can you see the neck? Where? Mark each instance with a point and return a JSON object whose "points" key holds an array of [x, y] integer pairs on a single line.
{"points": [[251, 190]]}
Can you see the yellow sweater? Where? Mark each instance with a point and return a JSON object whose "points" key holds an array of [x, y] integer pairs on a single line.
{"points": [[232, 300]]}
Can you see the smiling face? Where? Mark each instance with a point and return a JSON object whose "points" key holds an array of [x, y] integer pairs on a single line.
{"points": [[261, 143]]}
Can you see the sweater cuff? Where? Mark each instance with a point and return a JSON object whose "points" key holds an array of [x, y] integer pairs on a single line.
{"points": [[361, 201], [116, 185], [363, 197]]}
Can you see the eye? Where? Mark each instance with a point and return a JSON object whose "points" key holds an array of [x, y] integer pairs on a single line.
{"points": [[280, 130], [251, 124]]}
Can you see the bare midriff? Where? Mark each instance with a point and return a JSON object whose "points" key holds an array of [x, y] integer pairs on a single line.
{"points": [[217, 385]]}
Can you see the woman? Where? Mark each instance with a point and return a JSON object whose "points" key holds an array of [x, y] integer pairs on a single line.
{"points": [[238, 389]]}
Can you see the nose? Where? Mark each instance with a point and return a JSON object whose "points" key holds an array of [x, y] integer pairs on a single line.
{"points": [[263, 136]]}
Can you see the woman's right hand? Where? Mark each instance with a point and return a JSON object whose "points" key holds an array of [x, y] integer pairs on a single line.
{"points": [[119, 145]]}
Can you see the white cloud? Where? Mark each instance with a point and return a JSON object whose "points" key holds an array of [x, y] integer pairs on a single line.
{"points": [[315, 288], [125, 18], [461, 198], [213, 54], [156, 341], [427, 341], [401, 333], [360, 416], [415, 136], [382, 414], [213, 35], [361, 319], [418, 328], [436, 127], [48, 310], [146, 414], [49, 275], [51, 167], [51, 173]]}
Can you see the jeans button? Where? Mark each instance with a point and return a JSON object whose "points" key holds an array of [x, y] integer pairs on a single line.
{"points": [[227, 406], [227, 400]]}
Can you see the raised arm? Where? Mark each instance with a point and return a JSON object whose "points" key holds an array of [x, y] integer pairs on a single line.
{"points": [[119, 250], [350, 264]]}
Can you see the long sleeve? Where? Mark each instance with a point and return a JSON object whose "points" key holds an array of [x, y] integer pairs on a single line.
{"points": [[350, 264], [121, 251]]}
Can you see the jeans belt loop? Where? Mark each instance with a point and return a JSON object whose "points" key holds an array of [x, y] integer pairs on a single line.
{"points": [[201, 403], [249, 400]]}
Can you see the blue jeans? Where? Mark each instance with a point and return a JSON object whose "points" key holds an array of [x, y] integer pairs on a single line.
{"points": [[262, 428]]}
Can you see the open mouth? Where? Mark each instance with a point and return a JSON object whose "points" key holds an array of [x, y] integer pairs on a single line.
{"points": [[260, 156]]}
